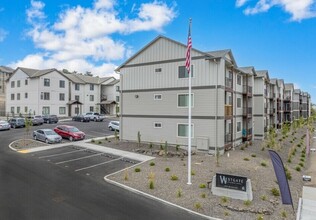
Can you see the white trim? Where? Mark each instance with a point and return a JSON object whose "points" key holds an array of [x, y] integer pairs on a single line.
{"points": [[188, 96], [185, 124]]}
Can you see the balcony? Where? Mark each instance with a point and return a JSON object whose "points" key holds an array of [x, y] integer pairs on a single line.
{"points": [[287, 108], [228, 83], [247, 134], [228, 138], [103, 98], [247, 112], [271, 111], [247, 90], [287, 99], [228, 111]]}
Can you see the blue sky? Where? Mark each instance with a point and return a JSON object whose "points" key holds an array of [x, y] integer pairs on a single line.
{"points": [[97, 36]]}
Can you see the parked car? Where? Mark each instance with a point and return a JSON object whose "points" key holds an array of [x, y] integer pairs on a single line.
{"points": [[82, 118], [47, 135], [50, 119], [114, 125], [70, 132], [17, 122], [94, 116], [4, 125], [36, 120]]}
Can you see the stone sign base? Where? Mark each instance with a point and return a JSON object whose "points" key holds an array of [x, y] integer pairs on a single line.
{"points": [[231, 193]]}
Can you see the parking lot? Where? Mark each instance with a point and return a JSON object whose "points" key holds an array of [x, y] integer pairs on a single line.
{"points": [[85, 161]]}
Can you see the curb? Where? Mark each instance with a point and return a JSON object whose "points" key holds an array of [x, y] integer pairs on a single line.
{"points": [[151, 196]]}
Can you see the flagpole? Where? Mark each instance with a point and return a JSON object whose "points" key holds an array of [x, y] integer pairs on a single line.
{"points": [[189, 119]]}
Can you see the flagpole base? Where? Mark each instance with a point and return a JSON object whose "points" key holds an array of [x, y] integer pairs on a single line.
{"points": [[189, 183]]}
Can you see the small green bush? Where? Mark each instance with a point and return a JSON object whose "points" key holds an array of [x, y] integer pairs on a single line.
{"points": [[247, 203], [298, 145], [152, 164], [179, 193], [203, 195], [99, 142], [202, 185], [192, 172], [174, 177], [275, 192], [137, 169], [263, 163], [150, 145], [246, 159], [288, 175], [283, 214], [301, 164], [198, 206], [92, 141], [263, 197], [289, 160], [298, 168], [224, 199], [167, 169], [302, 159], [242, 148], [262, 149], [260, 217], [253, 155], [177, 147], [151, 184]]}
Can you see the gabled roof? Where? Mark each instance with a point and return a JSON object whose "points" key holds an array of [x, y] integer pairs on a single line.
{"points": [[263, 73], [223, 54], [73, 78], [32, 73], [289, 86], [248, 70], [91, 79], [113, 82], [273, 81], [6, 69], [297, 91], [151, 43], [280, 82]]}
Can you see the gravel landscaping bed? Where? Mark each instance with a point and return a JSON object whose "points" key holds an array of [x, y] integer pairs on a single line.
{"points": [[251, 161]]}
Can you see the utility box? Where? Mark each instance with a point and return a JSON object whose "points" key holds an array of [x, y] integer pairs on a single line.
{"points": [[202, 143]]}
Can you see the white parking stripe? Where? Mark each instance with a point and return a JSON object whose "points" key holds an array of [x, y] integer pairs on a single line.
{"points": [[84, 168], [80, 158], [70, 152]]}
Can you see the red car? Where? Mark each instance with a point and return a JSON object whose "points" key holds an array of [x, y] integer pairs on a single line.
{"points": [[70, 132]]}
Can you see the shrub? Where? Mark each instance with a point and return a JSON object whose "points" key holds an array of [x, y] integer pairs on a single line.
{"points": [[298, 145], [177, 147], [253, 155], [99, 142], [275, 192], [288, 175], [126, 175], [179, 193], [262, 149], [242, 148], [263, 163], [246, 159], [202, 185], [152, 164], [283, 214], [260, 217], [198, 206], [92, 141], [192, 172], [301, 164], [150, 145], [137, 169], [203, 195], [298, 168], [106, 139], [167, 169], [151, 184], [263, 197], [174, 177], [224, 199], [247, 203], [226, 213], [289, 160], [302, 159]]}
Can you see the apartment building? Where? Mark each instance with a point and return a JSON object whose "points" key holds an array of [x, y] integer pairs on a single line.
{"points": [[280, 105], [50, 91], [110, 97], [4, 75], [297, 96], [154, 96]]}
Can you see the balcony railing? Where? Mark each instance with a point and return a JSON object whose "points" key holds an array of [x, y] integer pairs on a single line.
{"points": [[229, 82], [228, 138], [247, 89], [228, 110], [247, 110]]}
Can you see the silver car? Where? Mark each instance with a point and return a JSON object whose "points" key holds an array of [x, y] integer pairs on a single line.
{"points": [[47, 135], [114, 125], [4, 125]]}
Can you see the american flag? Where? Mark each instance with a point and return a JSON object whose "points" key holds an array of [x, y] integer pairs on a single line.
{"points": [[188, 54]]}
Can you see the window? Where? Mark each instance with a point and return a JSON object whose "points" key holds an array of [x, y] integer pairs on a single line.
{"points": [[62, 110], [157, 124], [46, 82], [183, 72], [18, 110], [18, 96], [158, 70], [12, 96], [238, 102], [91, 87], [12, 109], [61, 96], [91, 108], [18, 83], [61, 84], [157, 97], [91, 98], [26, 95], [12, 84], [77, 87], [46, 95], [117, 88], [76, 97], [238, 79], [117, 98], [25, 109], [238, 126], [45, 110], [183, 100], [26, 82], [183, 130], [77, 110]]}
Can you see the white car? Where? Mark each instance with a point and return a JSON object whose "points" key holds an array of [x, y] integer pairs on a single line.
{"points": [[4, 125], [114, 125]]}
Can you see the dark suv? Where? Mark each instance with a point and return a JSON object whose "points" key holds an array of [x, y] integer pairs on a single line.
{"points": [[50, 119], [17, 122]]}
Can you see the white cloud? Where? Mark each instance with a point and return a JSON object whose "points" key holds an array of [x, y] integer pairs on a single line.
{"points": [[3, 34], [299, 9], [81, 38]]}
